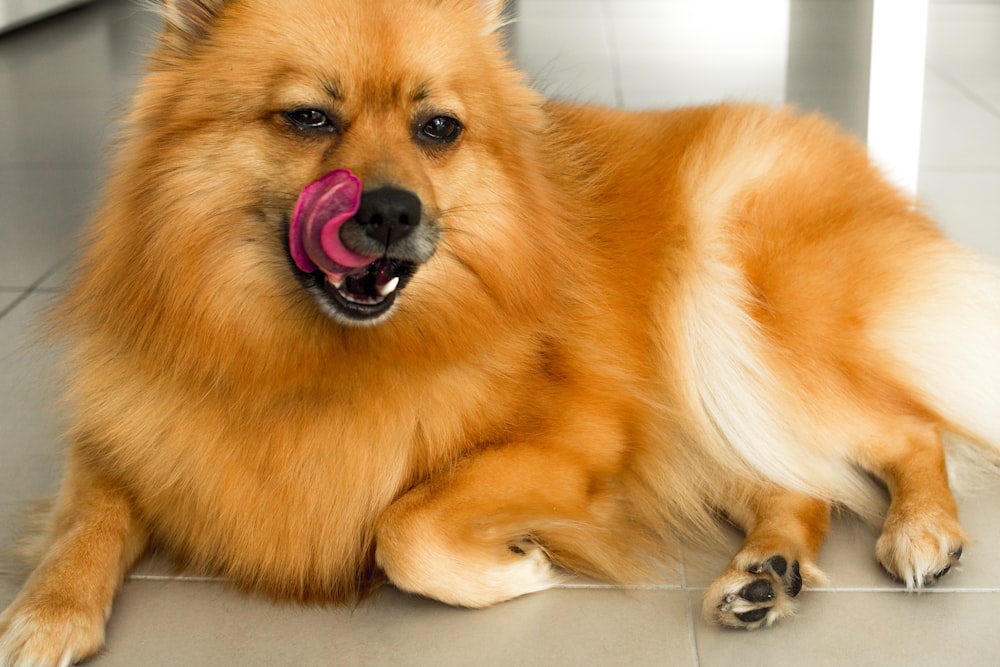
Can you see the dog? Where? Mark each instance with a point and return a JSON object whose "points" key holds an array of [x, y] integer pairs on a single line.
{"points": [[360, 306]]}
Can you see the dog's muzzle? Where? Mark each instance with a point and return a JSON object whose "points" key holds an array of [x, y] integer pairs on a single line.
{"points": [[355, 250]]}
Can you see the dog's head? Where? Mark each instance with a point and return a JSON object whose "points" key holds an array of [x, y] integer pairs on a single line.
{"points": [[252, 102]]}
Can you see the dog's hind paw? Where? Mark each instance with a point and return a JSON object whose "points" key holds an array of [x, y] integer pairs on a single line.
{"points": [[755, 596], [919, 550]]}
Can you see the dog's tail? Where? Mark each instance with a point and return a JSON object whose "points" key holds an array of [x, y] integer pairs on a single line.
{"points": [[947, 344]]}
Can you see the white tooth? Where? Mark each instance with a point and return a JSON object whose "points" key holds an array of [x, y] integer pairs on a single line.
{"points": [[389, 287], [336, 283]]}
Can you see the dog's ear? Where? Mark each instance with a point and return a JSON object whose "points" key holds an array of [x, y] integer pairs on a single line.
{"points": [[188, 21]]}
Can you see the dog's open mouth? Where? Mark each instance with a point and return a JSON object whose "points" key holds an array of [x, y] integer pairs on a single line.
{"points": [[352, 288], [369, 292]]}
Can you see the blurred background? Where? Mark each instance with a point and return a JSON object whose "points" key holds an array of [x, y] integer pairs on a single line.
{"points": [[918, 80]]}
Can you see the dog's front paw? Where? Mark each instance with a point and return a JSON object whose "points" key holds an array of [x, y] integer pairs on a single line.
{"points": [[754, 595], [44, 633]]}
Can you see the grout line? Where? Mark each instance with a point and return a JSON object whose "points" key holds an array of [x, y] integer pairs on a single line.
{"points": [[965, 90], [627, 587], [622, 587], [692, 635], [926, 591], [15, 303], [937, 590], [823, 589], [32, 288], [563, 586], [688, 606]]}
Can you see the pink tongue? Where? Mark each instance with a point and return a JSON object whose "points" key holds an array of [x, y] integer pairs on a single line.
{"points": [[314, 236]]}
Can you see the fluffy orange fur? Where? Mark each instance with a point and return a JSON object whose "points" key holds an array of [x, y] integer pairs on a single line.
{"points": [[632, 321]]}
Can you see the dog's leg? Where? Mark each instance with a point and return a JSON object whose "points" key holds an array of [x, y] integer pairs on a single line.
{"points": [[476, 536], [784, 532], [59, 616], [921, 537]]}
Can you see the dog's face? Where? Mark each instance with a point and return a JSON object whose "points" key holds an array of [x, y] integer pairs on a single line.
{"points": [[398, 126], [413, 97]]}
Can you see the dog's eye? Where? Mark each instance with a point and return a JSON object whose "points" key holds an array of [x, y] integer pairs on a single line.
{"points": [[440, 130], [310, 119]]}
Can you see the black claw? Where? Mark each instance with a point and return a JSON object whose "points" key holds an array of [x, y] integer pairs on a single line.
{"points": [[758, 591], [794, 585], [753, 615], [778, 564], [955, 556]]}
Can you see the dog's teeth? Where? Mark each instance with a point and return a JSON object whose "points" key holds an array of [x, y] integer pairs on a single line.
{"points": [[338, 283], [389, 287]]}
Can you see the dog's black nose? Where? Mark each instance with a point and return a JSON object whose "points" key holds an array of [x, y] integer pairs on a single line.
{"points": [[388, 214]]}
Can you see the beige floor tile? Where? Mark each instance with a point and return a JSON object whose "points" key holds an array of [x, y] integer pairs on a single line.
{"points": [[866, 630], [30, 432], [42, 211], [8, 297], [195, 624]]}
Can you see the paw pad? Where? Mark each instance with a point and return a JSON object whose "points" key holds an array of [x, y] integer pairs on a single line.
{"points": [[759, 591], [774, 583], [753, 616]]}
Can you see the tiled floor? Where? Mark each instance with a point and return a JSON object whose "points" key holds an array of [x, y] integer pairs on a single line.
{"points": [[62, 83]]}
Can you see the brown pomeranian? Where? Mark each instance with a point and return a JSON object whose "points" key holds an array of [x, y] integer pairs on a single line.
{"points": [[360, 305]]}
